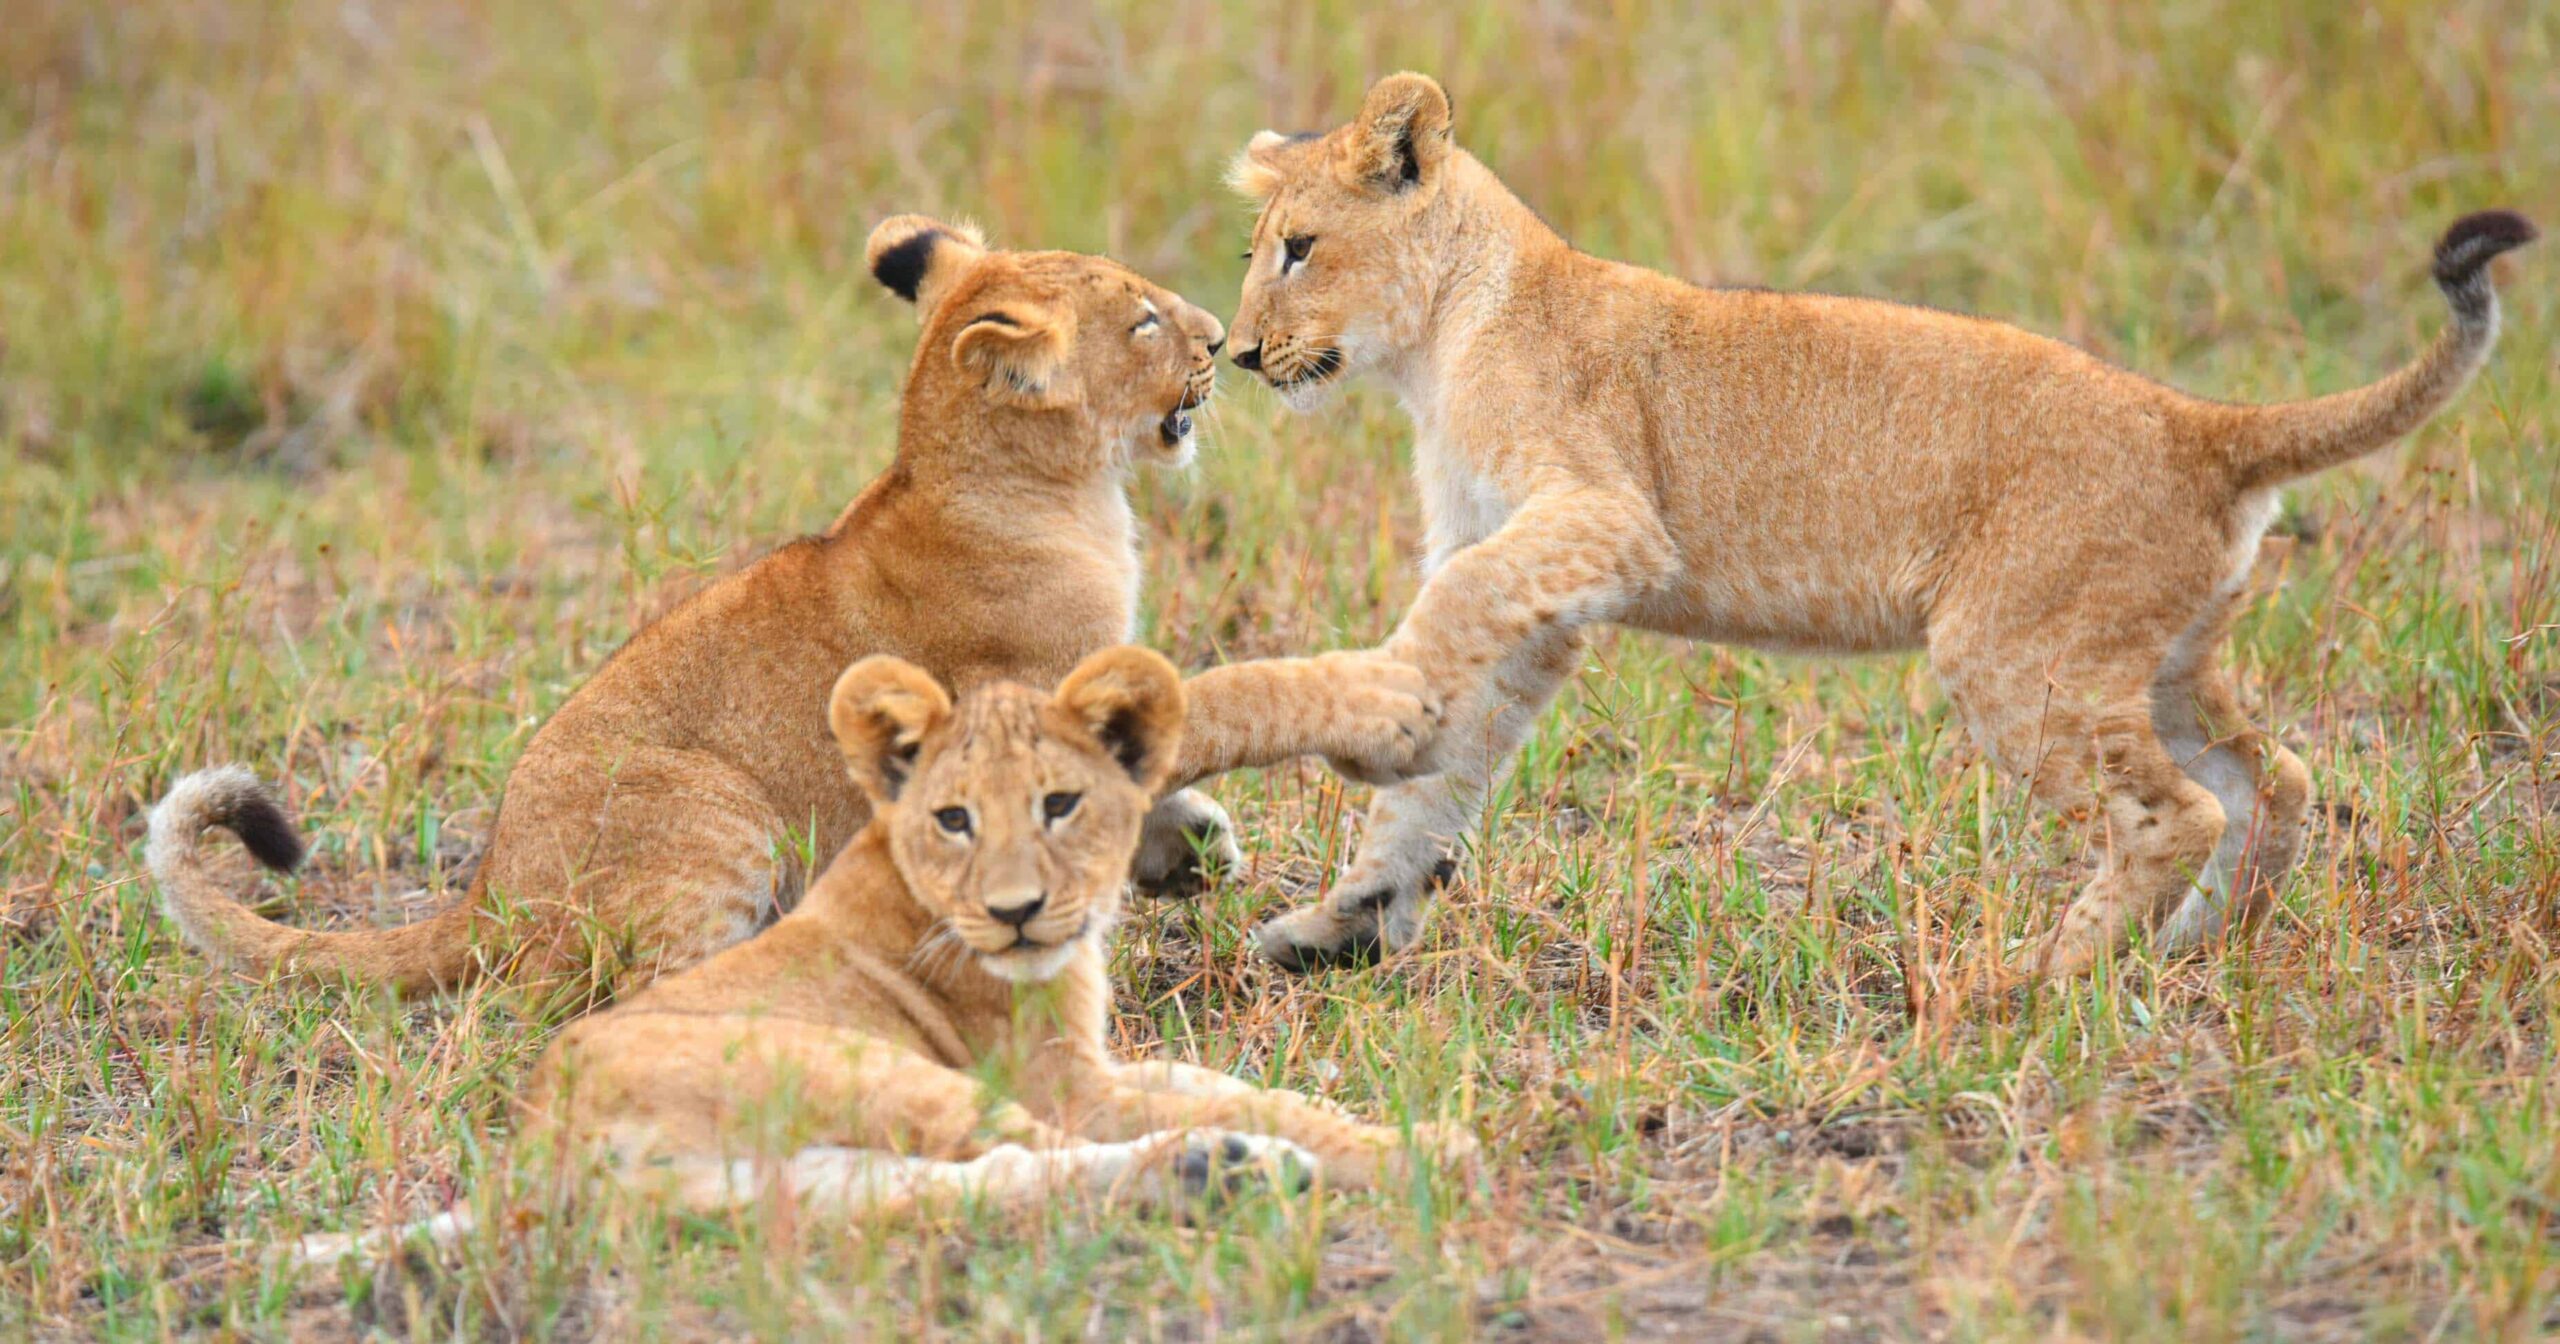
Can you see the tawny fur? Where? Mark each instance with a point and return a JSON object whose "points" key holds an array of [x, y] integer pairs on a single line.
{"points": [[845, 1054], [1600, 443], [655, 818]]}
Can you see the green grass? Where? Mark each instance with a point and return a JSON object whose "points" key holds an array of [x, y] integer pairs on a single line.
{"points": [[367, 372]]}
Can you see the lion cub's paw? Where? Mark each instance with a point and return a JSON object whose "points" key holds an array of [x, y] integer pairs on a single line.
{"points": [[1449, 1147], [1384, 717], [1218, 1165], [1188, 843]]}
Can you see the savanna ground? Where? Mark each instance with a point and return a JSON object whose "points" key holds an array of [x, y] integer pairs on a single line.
{"points": [[370, 370]]}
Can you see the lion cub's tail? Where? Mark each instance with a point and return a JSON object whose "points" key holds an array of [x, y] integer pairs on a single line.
{"points": [[2273, 444], [429, 954]]}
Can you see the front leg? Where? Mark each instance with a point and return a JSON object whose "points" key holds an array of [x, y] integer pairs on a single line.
{"points": [[1130, 1100], [1409, 840], [1366, 713], [1369, 714], [1496, 633]]}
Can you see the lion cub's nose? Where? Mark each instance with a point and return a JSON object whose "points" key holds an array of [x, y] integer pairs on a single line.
{"points": [[1248, 360], [1017, 909]]}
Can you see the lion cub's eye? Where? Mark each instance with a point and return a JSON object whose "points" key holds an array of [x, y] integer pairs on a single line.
{"points": [[953, 819], [1060, 806], [1145, 324], [1298, 249]]}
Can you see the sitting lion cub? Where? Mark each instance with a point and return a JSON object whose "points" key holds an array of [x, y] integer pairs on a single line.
{"points": [[662, 805], [957, 939]]}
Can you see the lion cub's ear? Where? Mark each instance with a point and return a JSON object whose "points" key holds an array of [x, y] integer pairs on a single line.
{"points": [[1020, 348], [917, 258], [881, 709], [1129, 700], [1256, 172], [1402, 135]]}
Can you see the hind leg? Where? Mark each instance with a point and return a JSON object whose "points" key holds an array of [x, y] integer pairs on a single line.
{"points": [[1165, 1169], [644, 870], [2265, 792], [2080, 731]]}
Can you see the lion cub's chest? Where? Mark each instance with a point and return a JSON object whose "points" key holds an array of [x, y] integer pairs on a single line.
{"points": [[1460, 505]]}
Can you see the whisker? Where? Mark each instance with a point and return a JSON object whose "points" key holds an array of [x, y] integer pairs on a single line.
{"points": [[930, 946]]}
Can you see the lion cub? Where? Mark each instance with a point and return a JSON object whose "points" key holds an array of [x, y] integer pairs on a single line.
{"points": [[930, 1022], [1600, 443], [661, 806]]}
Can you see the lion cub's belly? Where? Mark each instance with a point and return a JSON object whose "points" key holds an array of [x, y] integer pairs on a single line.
{"points": [[1798, 606], [1794, 566], [1770, 564]]}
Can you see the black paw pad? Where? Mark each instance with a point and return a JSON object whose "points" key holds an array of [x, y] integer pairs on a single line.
{"points": [[1192, 1169], [1184, 880], [1188, 877]]}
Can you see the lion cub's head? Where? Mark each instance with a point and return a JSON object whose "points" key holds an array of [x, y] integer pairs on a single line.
{"points": [[1343, 261], [1061, 355], [1013, 815]]}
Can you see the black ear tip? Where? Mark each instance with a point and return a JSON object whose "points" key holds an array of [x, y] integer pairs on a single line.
{"points": [[901, 265]]}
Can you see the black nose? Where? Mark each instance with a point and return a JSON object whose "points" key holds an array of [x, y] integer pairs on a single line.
{"points": [[1249, 360], [1018, 915], [1217, 345]]}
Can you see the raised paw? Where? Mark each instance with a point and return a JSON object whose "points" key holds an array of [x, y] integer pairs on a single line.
{"points": [[1187, 844], [1217, 1165], [1384, 720]]}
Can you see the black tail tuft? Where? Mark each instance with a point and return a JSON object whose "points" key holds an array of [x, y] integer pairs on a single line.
{"points": [[2474, 239], [264, 831]]}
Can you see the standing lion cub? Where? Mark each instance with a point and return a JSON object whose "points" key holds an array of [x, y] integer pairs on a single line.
{"points": [[1600, 443], [659, 809], [957, 940]]}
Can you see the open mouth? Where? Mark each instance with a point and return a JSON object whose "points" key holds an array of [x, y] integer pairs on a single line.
{"points": [[1318, 367], [1176, 425]]}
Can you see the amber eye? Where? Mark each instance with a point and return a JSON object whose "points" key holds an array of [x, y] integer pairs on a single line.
{"points": [[953, 819], [1300, 246], [1060, 806]]}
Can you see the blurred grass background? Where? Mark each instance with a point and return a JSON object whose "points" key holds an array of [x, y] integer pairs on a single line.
{"points": [[368, 371]]}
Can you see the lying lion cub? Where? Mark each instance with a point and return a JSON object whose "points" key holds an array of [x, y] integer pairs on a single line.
{"points": [[660, 807], [1600, 443], [957, 940]]}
